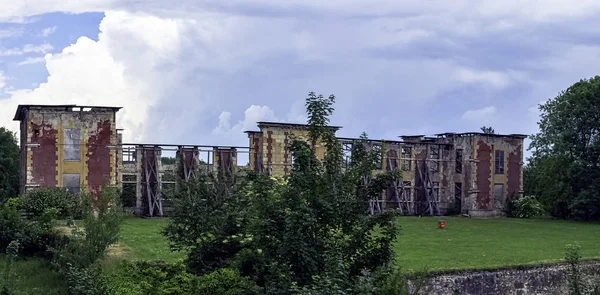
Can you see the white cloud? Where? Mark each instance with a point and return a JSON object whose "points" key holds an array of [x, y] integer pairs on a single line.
{"points": [[49, 31], [483, 114], [252, 115], [27, 48], [2, 80], [175, 67], [492, 78], [10, 32], [31, 60]]}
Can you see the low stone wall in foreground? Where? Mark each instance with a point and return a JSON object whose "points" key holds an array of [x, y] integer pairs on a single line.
{"points": [[521, 280]]}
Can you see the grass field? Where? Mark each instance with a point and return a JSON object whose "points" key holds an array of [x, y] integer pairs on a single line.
{"points": [[33, 276], [464, 243], [488, 243]]}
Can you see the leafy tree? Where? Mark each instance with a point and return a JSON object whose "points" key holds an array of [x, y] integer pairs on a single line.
{"points": [[310, 231], [488, 130], [9, 165], [565, 166]]}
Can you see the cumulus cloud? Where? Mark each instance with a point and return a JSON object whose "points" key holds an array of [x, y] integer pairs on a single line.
{"points": [[49, 31], [203, 71], [235, 133], [483, 114]]}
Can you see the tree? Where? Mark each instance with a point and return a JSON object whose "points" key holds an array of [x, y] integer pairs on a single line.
{"points": [[488, 130], [565, 163], [311, 230], [9, 165]]}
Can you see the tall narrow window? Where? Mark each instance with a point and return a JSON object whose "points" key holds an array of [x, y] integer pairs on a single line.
{"points": [[459, 161], [71, 145], [434, 157], [436, 190], [499, 160], [378, 161], [457, 195], [408, 190], [406, 158], [347, 148]]}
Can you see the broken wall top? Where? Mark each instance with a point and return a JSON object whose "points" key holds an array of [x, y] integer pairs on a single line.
{"points": [[22, 109]]}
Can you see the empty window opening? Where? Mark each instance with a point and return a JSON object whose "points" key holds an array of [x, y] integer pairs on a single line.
{"points": [[459, 161], [457, 195], [436, 190], [499, 162], [71, 147], [407, 190], [406, 158], [129, 154], [347, 150], [434, 158], [377, 149]]}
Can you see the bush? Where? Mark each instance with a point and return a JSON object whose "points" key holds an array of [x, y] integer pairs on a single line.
{"points": [[86, 281], [526, 207], [35, 236], [101, 226], [150, 277], [224, 281], [37, 200]]}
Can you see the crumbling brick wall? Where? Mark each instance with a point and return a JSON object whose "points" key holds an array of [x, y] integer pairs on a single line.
{"points": [[65, 146]]}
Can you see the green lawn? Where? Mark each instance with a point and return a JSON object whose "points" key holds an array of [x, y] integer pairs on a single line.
{"points": [[33, 276], [487, 243], [464, 243], [142, 239]]}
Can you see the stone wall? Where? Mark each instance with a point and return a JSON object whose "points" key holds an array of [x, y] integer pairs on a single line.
{"points": [[68, 146], [521, 280]]}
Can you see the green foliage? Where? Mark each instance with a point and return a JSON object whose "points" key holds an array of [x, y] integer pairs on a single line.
{"points": [[565, 166], [208, 215], [12, 252], [311, 230], [101, 225], [86, 281], [573, 258], [36, 201], [488, 130], [79, 260], [161, 278], [168, 160], [9, 165], [224, 281], [578, 282], [150, 277], [35, 236], [525, 207]]}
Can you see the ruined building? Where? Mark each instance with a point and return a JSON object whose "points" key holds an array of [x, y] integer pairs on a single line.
{"points": [[79, 147], [68, 146]]}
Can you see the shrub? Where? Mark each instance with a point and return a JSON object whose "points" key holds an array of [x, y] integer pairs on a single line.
{"points": [[86, 281], [37, 200], [101, 226], [150, 277], [224, 281], [35, 236], [526, 207]]}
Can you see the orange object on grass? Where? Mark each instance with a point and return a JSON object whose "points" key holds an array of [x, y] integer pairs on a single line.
{"points": [[441, 223]]}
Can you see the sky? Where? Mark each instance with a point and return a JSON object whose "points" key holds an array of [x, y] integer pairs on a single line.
{"points": [[204, 71]]}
